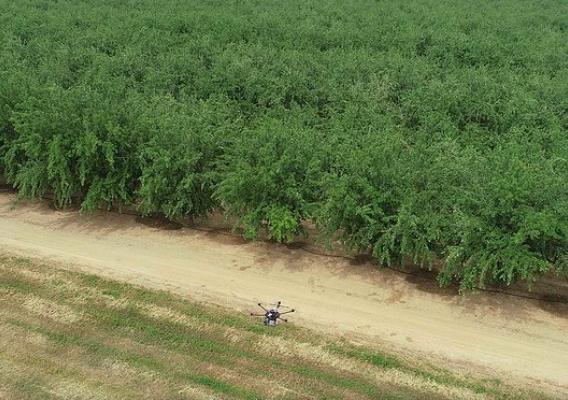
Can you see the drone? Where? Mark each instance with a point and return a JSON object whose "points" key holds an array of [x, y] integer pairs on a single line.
{"points": [[272, 315]]}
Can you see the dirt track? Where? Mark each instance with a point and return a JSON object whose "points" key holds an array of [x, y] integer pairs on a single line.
{"points": [[495, 334]]}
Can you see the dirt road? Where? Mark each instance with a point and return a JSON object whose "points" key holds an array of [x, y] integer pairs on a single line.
{"points": [[496, 334]]}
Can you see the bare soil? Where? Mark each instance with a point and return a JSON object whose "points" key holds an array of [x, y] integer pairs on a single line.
{"points": [[515, 340]]}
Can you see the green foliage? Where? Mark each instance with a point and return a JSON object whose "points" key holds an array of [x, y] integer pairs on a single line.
{"points": [[413, 131], [178, 176], [269, 178]]}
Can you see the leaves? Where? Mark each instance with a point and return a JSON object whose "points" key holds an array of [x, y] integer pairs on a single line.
{"points": [[439, 133]]}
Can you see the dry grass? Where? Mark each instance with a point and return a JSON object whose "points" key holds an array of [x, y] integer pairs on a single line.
{"points": [[66, 335]]}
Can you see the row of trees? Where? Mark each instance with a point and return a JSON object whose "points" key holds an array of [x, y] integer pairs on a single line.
{"points": [[416, 131]]}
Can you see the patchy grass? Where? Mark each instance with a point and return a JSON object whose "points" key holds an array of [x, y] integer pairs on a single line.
{"points": [[71, 335]]}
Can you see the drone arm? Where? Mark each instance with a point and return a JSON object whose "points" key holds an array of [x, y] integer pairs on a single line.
{"points": [[261, 306], [257, 315], [287, 312]]}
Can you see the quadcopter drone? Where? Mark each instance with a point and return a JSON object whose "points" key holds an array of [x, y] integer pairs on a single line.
{"points": [[272, 315]]}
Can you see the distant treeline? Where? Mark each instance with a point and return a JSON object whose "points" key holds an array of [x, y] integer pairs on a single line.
{"points": [[418, 131]]}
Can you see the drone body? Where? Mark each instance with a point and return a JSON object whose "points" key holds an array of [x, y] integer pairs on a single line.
{"points": [[272, 315]]}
